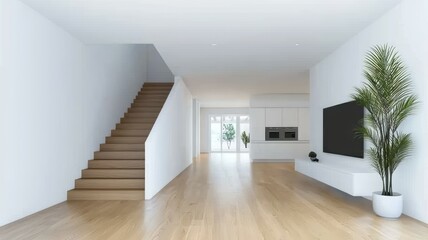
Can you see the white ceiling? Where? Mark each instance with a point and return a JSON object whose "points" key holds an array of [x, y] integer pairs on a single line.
{"points": [[255, 40]]}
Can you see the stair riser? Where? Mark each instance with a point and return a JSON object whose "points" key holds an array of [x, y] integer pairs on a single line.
{"points": [[105, 195], [150, 101], [157, 84], [157, 97], [130, 133], [155, 88], [116, 164], [165, 86], [152, 92], [138, 120], [152, 84], [141, 115], [122, 147], [119, 155], [145, 110], [134, 126], [148, 98], [112, 173], [147, 104], [125, 140], [109, 184]]}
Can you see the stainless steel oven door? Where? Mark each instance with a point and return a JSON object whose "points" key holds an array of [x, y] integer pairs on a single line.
{"points": [[273, 134], [290, 134]]}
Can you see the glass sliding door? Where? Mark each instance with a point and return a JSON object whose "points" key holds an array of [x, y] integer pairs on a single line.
{"points": [[225, 132], [215, 133], [229, 133]]}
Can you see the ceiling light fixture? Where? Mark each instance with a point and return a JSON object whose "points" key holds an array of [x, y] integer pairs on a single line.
{"points": [[297, 44], [213, 44]]}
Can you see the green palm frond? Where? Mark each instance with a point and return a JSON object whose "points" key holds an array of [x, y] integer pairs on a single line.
{"points": [[388, 98]]}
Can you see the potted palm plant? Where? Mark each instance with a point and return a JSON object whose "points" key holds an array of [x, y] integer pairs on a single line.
{"points": [[388, 99], [245, 138]]}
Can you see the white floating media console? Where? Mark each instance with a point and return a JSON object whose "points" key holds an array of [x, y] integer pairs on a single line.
{"points": [[354, 180]]}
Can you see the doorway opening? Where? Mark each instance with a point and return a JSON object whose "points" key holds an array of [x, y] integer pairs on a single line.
{"points": [[226, 132]]}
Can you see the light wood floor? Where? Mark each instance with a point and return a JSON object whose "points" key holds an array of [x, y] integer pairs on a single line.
{"points": [[222, 196]]}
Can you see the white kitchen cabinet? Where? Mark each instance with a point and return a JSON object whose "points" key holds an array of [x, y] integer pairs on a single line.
{"points": [[290, 117], [273, 117], [304, 124], [257, 124]]}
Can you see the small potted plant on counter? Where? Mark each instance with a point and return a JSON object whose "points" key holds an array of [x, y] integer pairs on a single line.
{"points": [[245, 138], [313, 157]]}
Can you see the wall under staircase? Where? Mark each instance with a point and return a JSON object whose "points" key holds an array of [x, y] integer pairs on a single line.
{"points": [[169, 146]]}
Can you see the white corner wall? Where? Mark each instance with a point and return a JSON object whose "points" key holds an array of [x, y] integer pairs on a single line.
{"points": [[59, 98], [169, 145], [334, 79]]}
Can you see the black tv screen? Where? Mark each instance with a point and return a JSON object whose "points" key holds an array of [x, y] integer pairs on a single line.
{"points": [[340, 123]]}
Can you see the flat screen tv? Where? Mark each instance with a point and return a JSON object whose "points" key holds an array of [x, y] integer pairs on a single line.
{"points": [[339, 125]]}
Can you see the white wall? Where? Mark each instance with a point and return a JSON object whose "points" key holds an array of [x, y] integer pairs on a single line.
{"points": [[158, 70], [114, 74], [59, 98], [169, 145], [204, 123], [196, 128], [281, 100], [334, 79]]}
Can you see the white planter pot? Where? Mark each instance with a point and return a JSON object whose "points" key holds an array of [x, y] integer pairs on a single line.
{"points": [[388, 206]]}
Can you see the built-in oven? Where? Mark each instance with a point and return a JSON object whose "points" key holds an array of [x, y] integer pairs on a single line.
{"points": [[273, 134], [290, 133], [281, 134]]}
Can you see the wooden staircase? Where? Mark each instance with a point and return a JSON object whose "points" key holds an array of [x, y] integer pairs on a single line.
{"points": [[117, 170]]}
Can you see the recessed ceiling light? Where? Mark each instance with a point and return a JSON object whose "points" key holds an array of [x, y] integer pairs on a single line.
{"points": [[297, 44], [213, 44]]}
